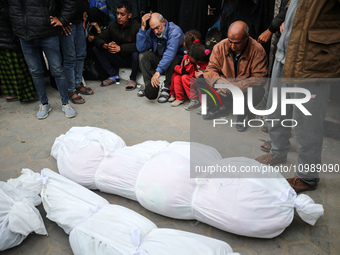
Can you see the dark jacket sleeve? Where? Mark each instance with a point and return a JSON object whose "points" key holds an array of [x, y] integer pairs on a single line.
{"points": [[85, 5], [277, 21], [68, 11], [104, 37]]}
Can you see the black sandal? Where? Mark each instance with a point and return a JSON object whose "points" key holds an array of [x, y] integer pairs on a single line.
{"points": [[81, 89], [266, 146], [164, 96], [76, 99]]}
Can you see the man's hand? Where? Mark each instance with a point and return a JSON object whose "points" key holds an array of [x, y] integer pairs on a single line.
{"points": [[145, 18], [155, 80], [282, 27], [265, 36], [223, 92], [55, 22], [90, 38], [97, 27], [67, 30], [113, 47]]}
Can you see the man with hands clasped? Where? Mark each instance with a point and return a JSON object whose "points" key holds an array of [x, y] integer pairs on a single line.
{"points": [[116, 46], [161, 50]]}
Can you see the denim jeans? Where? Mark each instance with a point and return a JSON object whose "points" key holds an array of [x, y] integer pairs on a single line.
{"points": [[73, 47], [32, 52]]}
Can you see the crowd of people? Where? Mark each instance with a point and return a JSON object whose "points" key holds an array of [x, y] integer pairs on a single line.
{"points": [[158, 47]]}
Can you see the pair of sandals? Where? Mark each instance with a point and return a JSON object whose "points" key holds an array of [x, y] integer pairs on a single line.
{"points": [[115, 80], [80, 89]]}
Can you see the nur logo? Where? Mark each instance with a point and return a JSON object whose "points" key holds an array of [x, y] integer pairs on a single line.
{"points": [[238, 99]]}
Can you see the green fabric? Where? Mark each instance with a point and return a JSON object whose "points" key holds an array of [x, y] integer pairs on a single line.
{"points": [[15, 78]]}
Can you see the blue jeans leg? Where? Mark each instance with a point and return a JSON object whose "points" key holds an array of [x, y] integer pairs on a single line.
{"points": [[32, 52], [74, 53]]}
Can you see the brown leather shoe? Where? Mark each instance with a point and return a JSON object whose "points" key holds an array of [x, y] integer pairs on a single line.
{"points": [[269, 159], [299, 185]]}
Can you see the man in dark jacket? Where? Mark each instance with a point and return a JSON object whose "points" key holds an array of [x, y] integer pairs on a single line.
{"points": [[117, 46], [31, 23], [165, 39]]}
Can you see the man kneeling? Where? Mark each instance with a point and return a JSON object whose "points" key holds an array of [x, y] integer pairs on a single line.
{"points": [[165, 40]]}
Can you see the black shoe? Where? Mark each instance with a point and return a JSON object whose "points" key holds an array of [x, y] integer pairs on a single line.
{"points": [[241, 128], [215, 113]]}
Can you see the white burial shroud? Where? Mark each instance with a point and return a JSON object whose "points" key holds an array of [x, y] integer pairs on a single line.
{"points": [[157, 175], [97, 227], [18, 215]]}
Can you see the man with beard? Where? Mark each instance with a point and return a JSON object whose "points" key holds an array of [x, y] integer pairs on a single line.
{"points": [[116, 46], [165, 40]]}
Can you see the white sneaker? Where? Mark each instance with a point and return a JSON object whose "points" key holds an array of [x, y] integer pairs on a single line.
{"points": [[43, 111], [68, 110]]}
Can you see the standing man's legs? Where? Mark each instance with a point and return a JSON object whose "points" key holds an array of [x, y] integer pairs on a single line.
{"points": [[279, 135], [51, 47], [309, 130], [74, 53], [32, 51]]}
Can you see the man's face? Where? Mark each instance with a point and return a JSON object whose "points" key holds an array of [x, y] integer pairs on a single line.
{"points": [[158, 28], [237, 42], [122, 16]]}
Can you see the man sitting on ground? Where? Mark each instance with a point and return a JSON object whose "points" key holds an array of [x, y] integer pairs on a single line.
{"points": [[116, 46], [165, 39], [233, 61]]}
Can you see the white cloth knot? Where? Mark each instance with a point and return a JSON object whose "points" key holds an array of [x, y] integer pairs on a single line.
{"points": [[290, 194], [43, 178], [92, 211]]}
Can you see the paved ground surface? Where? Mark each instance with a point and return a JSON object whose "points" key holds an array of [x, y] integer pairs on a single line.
{"points": [[25, 142]]}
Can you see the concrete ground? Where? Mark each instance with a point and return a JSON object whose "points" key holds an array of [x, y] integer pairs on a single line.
{"points": [[25, 142]]}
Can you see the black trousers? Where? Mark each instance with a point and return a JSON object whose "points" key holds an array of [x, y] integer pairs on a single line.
{"points": [[148, 62]]}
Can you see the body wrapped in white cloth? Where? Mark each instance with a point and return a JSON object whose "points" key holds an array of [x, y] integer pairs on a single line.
{"points": [[157, 175], [97, 227], [18, 215]]}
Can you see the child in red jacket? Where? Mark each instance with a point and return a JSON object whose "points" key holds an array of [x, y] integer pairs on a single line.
{"points": [[190, 37], [184, 78]]}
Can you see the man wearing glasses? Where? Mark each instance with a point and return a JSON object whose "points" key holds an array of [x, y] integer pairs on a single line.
{"points": [[234, 61], [165, 40]]}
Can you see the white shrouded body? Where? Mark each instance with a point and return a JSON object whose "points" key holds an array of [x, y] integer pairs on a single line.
{"points": [[157, 175]]}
